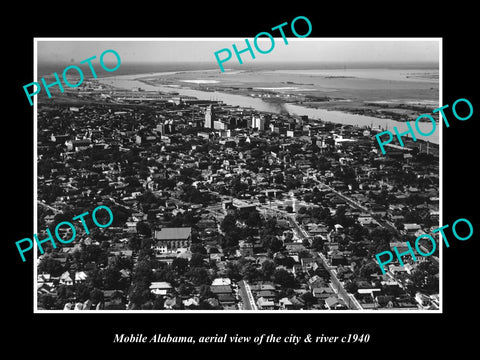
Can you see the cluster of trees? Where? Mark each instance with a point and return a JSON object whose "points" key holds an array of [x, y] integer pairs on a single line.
{"points": [[419, 216], [402, 178], [356, 232], [165, 183], [49, 193], [271, 243], [192, 195], [367, 268], [188, 175], [231, 233], [255, 225], [425, 278], [315, 197], [340, 217], [382, 198], [284, 278], [347, 175], [415, 199], [237, 187], [380, 239], [247, 270], [110, 277], [358, 249], [316, 245], [106, 278], [73, 294], [351, 287], [185, 219], [321, 163], [424, 158], [317, 213], [139, 291], [292, 182], [188, 278], [120, 215], [50, 266], [270, 227], [149, 198], [270, 236]]}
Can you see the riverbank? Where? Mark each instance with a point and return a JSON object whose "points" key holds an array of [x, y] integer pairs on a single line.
{"points": [[395, 94], [236, 97], [382, 109]]}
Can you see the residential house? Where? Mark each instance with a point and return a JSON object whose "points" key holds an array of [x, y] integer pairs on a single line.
{"points": [[131, 227], [44, 278], [216, 257], [323, 293], [113, 300], [173, 303], [367, 221], [78, 277], [411, 229], [335, 303], [337, 259], [297, 269], [285, 304], [226, 299], [160, 288], [262, 286], [316, 282], [385, 301], [307, 263], [367, 296], [221, 289], [78, 145], [221, 281], [121, 252], [396, 269], [266, 294], [294, 248], [192, 302], [265, 304], [402, 248]]}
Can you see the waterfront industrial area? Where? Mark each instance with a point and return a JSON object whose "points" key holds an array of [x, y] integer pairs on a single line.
{"points": [[221, 207]]}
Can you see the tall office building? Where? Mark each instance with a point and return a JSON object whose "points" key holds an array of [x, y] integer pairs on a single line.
{"points": [[258, 122], [160, 128], [209, 117]]}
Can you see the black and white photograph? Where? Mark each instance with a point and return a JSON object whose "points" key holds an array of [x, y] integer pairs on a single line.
{"points": [[258, 187], [219, 179]]}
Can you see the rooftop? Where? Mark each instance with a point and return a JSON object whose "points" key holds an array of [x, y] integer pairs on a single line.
{"points": [[180, 233]]}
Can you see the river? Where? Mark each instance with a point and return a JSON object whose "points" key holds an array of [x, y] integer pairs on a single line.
{"points": [[132, 81]]}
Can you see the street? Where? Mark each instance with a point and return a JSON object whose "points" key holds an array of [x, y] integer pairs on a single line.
{"points": [[350, 300], [56, 211], [247, 296]]}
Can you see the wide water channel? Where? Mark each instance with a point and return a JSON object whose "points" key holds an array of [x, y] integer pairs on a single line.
{"points": [[131, 82]]}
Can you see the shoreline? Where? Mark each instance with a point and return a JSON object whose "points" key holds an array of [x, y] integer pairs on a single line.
{"points": [[378, 110], [327, 114]]}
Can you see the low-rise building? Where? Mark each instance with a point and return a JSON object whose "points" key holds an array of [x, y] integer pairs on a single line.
{"points": [[170, 239]]}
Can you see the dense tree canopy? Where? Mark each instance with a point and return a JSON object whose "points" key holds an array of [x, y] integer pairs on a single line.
{"points": [[424, 277], [268, 268], [284, 278], [228, 223], [50, 266]]}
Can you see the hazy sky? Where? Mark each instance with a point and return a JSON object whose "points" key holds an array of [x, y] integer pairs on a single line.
{"points": [[298, 49]]}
